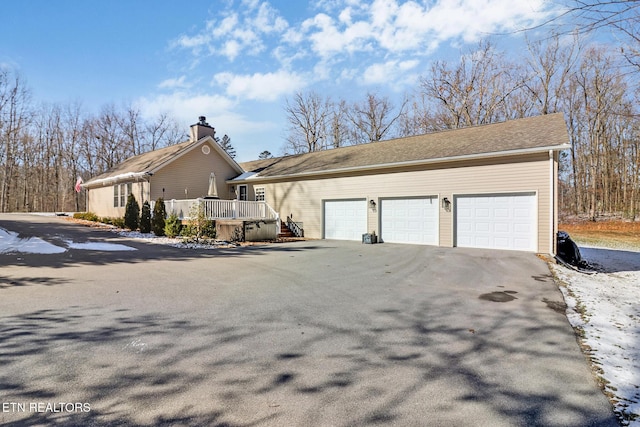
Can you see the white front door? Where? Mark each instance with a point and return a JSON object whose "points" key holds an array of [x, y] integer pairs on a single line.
{"points": [[345, 219], [497, 221], [409, 220]]}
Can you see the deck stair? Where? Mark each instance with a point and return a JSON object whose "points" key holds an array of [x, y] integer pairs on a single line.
{"points": [[285, 231]]}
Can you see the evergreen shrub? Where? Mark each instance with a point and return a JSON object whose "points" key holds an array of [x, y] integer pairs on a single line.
{"points": [[132, 213], [158, 218], [145, 218], [173, 226]]}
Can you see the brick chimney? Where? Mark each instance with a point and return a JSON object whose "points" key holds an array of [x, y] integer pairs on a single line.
{"points": [[202, 129]]}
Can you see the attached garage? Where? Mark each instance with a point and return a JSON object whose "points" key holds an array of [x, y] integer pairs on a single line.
{"points": [[345, 219], [409, 220], [488, 186], [497, 221]]}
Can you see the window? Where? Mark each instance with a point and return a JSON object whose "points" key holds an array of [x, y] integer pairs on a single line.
{"points": [[242, 192], [123, 195], [120, 193], [259, 194]]}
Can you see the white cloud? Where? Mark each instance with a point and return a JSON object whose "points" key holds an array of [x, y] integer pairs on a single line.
{"points": [[178, 83], [369, 41], [194, 43], [239, 32], [185, 106], [260, 86], [327, 39], [397, 27], [268, 20], [246, 132], [225, 27], [388, 73]]}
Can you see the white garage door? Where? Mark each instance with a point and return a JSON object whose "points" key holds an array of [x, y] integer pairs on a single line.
{"points": [[345, 219], [497, 221], [413, 220]]}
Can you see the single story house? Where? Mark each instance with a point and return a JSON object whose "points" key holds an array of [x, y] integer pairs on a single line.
{"points": [[489, 186], [181, 171]]}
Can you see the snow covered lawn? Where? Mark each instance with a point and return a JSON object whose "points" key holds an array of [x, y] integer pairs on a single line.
{"points": [[605, 308]]}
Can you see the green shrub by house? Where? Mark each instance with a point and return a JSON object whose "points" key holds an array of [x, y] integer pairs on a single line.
{"points": [[132, 213], [198, 226], [116, 221], [158, 218], [173, 226], [145, 218], [87, 216]]}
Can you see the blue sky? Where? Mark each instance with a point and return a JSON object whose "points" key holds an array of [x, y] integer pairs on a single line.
{"points": [[236, 62]]}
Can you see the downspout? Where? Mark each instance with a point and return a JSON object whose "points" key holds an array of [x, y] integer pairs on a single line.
{"points": [[146, 178], [552, 210]]}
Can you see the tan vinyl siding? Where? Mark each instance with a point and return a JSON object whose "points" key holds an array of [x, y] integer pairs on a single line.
{"points": [[100, 200], [303, 198], [191, 172]]}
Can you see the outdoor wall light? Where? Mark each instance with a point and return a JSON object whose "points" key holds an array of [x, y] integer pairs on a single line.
{"points": [[372, 204], [446, 204]]}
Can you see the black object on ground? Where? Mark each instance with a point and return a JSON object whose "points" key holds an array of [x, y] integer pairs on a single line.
{"points": [[568, 252]]}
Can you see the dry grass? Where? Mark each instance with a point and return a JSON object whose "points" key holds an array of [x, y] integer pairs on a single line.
{"points": [[612, 233]]}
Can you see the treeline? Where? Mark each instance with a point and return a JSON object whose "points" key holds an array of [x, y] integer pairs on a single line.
{"points": [[594, 86], [45, 148]]}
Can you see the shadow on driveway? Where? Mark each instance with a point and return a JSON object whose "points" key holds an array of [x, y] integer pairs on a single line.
{"points": [[308, 334], [392, 367]]}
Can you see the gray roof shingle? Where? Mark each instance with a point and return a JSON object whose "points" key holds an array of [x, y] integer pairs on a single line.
{"points": [[146, 162], [533, 133]]}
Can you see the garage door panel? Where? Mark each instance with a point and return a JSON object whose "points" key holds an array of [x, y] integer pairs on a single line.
{"points": [[501, 228], [345, 219], [501, 213], [410, 220], [496, 221]]}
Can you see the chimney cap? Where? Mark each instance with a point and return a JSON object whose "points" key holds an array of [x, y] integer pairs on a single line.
{"points": [[202, 120]]}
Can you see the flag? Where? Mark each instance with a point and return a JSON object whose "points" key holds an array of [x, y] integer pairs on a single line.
{"points": [[78, 186]]}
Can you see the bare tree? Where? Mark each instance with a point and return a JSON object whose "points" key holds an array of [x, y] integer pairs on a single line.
{"points": [[602, 103], [14, 117], [129, 121], [473, 92], [373, 118], [307, 116], [550, 65], [162, 131], [338, 125], [587, 16], [73, 123]]}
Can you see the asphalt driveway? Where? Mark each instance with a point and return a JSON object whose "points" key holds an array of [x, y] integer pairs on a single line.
{"points": [[316, 333]]}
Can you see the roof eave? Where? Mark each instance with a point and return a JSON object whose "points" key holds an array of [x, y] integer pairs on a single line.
{"points": [[112, 180], [258, 178]]}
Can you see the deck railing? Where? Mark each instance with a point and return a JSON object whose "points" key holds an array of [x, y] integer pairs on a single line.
{"points": [[222, 209], [296, 228]]}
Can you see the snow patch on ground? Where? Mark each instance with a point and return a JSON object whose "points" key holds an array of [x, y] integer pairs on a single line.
{"points": [[99, 246], [10, 242], [176, 242], [606, 307]]}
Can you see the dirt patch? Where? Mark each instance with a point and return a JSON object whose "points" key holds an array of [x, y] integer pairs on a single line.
{"points": [[91, 224], [557, 306], [499, 296], [609, 233]]}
